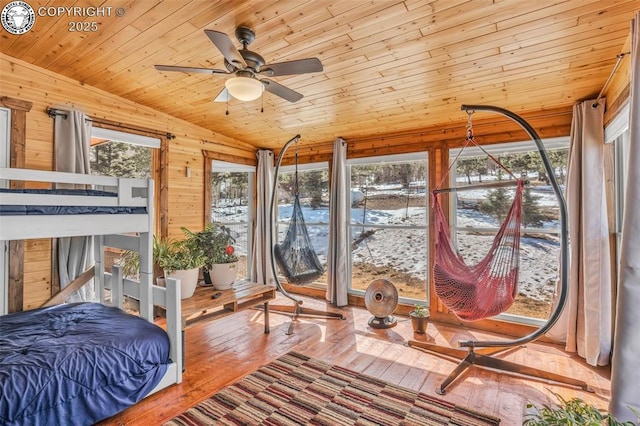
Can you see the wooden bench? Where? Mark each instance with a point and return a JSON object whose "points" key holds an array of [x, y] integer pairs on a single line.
{"points": [[244, 295]]}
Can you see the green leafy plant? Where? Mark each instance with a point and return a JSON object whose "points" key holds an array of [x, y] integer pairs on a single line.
{"points": [[573, 412], [130, 260], [174, 255], [420, 311], [216, 243]]}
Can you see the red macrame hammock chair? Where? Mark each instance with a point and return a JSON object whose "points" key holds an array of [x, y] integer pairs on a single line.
{"points": [[489, 287]]}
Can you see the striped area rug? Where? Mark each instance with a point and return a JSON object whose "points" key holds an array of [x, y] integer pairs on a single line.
{"points": [[298, 390]]}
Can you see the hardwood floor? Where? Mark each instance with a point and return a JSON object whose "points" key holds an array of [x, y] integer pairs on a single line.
{"points": [[222, 351]]}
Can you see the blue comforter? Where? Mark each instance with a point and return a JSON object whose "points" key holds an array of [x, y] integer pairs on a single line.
{"points": [[76, 363], [21, 210]]}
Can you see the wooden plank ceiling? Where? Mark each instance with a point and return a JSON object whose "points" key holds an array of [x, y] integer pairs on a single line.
{"points": [[389, 66]]}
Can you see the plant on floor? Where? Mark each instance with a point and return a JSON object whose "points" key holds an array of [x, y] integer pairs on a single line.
{"points": [[420, 311], [419, 318], [573, 412]]}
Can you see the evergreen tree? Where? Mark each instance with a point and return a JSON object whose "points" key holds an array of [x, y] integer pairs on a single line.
{"points": [[531, 213], [467, 167], [559, 159], [121, 160], [312, 184], [497, 204]]}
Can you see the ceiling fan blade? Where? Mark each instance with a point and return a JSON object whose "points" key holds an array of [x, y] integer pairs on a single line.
{"points": [[189, 69], [223, 96], [301, 66], [226, 47], [280, 90]]}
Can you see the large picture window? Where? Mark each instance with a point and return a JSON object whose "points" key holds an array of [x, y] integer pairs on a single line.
{"points": [[388, 224], [477, 214], [313, 187], [232, 206]]}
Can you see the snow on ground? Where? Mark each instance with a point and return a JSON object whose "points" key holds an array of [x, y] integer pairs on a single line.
{"points": [[406, 249]]}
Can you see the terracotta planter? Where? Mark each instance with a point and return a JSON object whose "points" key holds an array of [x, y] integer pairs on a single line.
{"points": [[188, 281], [223, 274], [419, 324]]}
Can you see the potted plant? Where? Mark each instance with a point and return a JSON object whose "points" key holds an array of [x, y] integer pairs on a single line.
{"points": [[419, 318], [216, 242], [181, 260], [572, 412]]}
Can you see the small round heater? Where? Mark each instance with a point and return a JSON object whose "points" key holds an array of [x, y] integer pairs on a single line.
{"points": [[381, 299]]}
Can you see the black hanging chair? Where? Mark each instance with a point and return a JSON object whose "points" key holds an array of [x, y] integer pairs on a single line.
{"points": [[296, 257]]}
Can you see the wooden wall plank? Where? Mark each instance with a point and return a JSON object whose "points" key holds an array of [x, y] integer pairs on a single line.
{"points": [[45, 89]]}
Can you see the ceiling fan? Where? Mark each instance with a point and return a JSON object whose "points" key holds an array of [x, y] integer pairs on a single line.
{"points": [[246, 66]]}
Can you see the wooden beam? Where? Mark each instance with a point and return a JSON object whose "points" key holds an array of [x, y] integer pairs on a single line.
{"points": [[72, 287], [19, 109]]}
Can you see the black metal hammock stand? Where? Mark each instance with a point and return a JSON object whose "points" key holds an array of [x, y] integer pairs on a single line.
{"points": [[482, 357], [296, 257]]}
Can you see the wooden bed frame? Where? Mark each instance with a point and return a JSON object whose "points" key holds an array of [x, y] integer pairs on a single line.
{"points": [[108, 231]]}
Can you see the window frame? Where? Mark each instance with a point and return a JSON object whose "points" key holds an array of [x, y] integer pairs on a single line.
{"points": [[5, 162], [617, 132], [221, 166], [422, 156], [306, 167], [493, 149]]}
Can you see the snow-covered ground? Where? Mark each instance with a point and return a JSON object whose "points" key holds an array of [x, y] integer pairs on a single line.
{"points": [[406, 249]]}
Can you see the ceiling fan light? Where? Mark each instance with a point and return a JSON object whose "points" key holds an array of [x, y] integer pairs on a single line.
{"points": [[244, 88]]}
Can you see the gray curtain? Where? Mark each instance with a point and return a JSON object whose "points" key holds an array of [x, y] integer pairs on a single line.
{"points": [[261, 271], [586, 321], [72, 139], [338, 251], [625, 365]]}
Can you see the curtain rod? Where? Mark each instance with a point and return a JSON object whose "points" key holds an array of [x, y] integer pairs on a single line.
{"points": [[606, 83], [52, 112]]}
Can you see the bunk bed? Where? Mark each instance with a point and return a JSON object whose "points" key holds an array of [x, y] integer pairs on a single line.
{"points": [[63, 363]]}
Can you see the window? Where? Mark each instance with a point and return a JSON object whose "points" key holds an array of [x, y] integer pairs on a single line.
{"points": [[120, 154], [475, 216], [232, 206], [617, 132], [5, 157], [126, 155], [313, 187], [388, 224]]}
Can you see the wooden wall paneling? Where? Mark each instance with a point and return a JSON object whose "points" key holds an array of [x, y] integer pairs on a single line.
{"points": [[438, 164], [44, 89], [19, 109], [208, 187], [548, 124], [163, 211]]}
